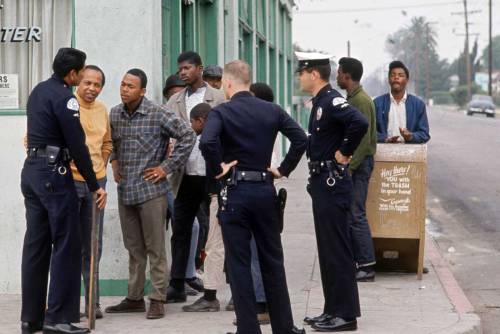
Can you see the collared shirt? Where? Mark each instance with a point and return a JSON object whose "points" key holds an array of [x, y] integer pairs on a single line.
{"points": [[195, 164], [368, 145], [397, 117], [140, 141], [245, 129], [333, 125]]}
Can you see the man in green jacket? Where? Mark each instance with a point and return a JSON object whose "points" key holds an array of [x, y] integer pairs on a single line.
{"points": [[350, 71]]}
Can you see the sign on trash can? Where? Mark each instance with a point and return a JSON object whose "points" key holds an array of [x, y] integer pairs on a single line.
{"points": [[396, 206]]}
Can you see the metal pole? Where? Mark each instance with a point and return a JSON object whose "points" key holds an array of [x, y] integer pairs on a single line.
{"points": [[467, 54], [490, 52], [348, 48]]}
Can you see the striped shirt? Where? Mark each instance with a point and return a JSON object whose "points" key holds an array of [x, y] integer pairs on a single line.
{"points": [[140, 141]]}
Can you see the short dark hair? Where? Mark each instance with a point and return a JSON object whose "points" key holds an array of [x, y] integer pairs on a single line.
{"points": [[191, 57], [353, 67], [68, 59], [399, 64], [140, 74], [323, 70], [200, 111], [96, 68], [263, 91]]}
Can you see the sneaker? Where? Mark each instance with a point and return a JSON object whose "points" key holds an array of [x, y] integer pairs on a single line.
{"points": [[98, 312], [190, 291], [202, 305], [156, 310], [127, 306], [365, 274]]}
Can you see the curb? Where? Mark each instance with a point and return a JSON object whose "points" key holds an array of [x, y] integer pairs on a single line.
{"points": [[469, 322]]}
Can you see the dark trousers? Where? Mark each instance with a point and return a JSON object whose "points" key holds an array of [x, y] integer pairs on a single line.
{"points": [[331, 207], [362, 242], [51, 242], [192, 192], [252, 208], [85, 202]]}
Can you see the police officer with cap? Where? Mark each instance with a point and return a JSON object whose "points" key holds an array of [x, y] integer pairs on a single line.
{"points": [[52, 240], [237, 143], [335, 130]]}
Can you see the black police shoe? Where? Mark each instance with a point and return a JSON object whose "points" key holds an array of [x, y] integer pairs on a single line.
{"points": [[365, 274], [336, 325], [319, 318], [196, 284], [295, 330], [64, 329], [31, 327], [175, 296]]}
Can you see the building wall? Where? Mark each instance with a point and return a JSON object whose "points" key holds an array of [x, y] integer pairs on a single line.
{"points": [[120, 34]]}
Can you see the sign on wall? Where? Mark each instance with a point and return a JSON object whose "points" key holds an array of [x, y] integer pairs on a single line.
{"points": [[9, 91]]}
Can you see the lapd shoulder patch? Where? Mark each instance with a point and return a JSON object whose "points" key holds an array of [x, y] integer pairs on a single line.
{"points": [[339, 102], [73, 104]]}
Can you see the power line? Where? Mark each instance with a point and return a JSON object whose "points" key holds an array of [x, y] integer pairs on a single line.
{"points": [[373, 9]]}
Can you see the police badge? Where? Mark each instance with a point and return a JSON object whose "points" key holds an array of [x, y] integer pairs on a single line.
{"points": [[319, 113]]}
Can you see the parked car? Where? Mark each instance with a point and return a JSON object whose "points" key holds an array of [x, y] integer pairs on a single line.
{"points": [[481, 104]]}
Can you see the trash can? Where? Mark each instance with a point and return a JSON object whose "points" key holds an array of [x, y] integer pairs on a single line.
{"points": [[396, 207]]}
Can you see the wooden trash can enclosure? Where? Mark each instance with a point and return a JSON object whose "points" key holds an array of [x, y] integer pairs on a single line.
{"points": [[396, 207]]}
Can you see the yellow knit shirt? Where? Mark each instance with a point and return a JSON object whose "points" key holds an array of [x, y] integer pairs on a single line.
{"points": [[95, 123]]}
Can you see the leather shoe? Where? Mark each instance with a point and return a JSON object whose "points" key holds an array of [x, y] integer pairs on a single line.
{"points": [[336, 325], [295, 330], [203, 305], [156, 310], [175, 296], [64, 329], [365, 274], [31, 327], [319, 318], [190, 291], [196, 284], [127, 306]]}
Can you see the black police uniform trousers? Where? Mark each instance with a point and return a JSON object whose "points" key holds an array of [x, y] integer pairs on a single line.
{"points": [[192, 192], [52, 242], [331, 207], [252, 207]]}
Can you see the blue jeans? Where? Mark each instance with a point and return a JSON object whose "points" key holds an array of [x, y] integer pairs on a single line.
{"points": [[362, 243], [85, 211]]}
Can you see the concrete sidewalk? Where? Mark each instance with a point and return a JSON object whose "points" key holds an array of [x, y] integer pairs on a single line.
{"points": [[394, 304]]}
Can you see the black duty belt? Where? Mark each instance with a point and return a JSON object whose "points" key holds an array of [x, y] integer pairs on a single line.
{"points": [[253, 176], [52, 153], [335, 170]]}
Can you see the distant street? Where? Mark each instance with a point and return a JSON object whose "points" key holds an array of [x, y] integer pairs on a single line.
{"points": [[464, 203]]}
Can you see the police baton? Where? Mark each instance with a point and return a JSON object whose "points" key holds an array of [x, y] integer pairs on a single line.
{"points": [[94, 261], [282, 194]]}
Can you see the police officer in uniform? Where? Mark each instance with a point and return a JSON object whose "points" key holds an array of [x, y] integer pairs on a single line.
{"points": [[237, 143], [335, 130], [52, 240]]}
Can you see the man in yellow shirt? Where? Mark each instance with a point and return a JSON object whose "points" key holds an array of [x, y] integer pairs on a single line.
{"points": [[95, 123]]}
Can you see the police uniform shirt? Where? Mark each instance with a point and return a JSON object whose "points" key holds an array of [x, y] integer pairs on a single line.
{"points": [[53, 119], [245, 129], [333, 125]]}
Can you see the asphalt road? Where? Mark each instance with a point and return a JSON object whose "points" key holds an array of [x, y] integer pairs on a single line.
{"points": [[464, 204]]}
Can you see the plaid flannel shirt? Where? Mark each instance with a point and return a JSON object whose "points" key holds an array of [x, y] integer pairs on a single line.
{"points": [[140, 141]]}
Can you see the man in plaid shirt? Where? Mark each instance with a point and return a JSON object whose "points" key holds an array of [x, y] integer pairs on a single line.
{"points": [[140, 132]]}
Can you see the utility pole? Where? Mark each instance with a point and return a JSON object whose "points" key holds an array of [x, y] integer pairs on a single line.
{"points": [[348, 48], [490, 52], [467, 53]]}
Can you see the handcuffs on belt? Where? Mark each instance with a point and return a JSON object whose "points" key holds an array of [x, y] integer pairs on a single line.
{"points": [[335, 171]]}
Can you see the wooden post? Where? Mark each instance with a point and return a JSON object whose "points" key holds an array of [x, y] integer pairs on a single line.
{"points": [[94, 262]]}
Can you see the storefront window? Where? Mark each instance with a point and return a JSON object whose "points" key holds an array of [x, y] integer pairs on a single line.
{"points": [[31, 32]]}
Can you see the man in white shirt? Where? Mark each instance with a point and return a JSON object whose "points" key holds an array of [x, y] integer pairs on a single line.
{"points": [[187, 184]]}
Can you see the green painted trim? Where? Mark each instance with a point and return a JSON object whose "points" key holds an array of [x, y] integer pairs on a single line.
{"points": [[12, 112], [115, 287]]}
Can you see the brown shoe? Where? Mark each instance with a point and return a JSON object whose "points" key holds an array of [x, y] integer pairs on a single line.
{"points": [[262, 318], [127, 306], [156, 310]]}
